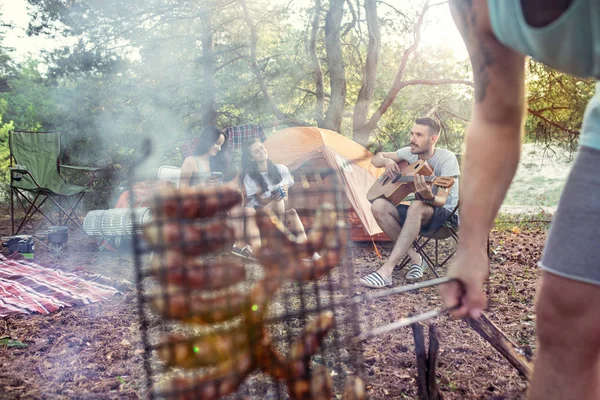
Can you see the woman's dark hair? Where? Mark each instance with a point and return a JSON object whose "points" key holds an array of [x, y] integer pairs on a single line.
{"points": [[250, 167], [208, 137]]}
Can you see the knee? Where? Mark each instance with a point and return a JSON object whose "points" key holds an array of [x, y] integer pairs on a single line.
{"points": [[567, 319], [380, 209], [416, 207], [291, 213], [279, 205], [249, 212]]}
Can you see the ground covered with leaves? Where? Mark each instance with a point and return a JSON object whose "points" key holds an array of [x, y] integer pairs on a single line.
{"points": [[95, 351]]}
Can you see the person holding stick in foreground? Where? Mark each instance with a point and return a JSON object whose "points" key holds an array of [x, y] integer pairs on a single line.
{"points": [[564, 35]]}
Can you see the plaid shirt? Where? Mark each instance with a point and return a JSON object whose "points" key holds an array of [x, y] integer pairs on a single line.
{"points": [[238, 136]]}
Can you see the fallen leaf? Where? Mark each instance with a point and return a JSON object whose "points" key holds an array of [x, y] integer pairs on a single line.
{"points": [[8, 342]]}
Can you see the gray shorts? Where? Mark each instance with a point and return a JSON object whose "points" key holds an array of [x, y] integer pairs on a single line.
{"points": [[573, 247]]}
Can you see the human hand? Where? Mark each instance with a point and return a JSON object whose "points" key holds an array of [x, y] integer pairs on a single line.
{"points": [[213, 181], [391, 169], [216, 178], [276, 193], [422, 188], [471, 269], [284, 187]]}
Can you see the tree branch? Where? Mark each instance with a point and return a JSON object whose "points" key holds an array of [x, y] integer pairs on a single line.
{"points": [[413, 82], [318, 71], [254, 64], [354, 19], [550, 122], [369, 73], [397, 85]]}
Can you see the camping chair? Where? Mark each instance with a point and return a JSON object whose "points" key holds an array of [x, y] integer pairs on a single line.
{"points": [[445, 231], [169, 173], [35, 174]]}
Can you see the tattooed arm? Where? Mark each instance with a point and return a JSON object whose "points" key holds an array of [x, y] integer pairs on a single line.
{"points": [[492, 149]]}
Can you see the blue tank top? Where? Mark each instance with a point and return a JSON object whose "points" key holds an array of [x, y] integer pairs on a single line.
{"points": [[571, 44]]}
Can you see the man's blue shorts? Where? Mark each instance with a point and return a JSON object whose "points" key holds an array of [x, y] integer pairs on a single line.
{"points": [[440, 217]]}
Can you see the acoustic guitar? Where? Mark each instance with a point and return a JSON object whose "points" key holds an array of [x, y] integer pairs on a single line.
{"points": [[396, 189]]}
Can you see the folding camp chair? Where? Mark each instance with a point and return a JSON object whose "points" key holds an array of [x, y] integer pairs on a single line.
{"points": [[445, 231], [169, 173], [35, 177]]}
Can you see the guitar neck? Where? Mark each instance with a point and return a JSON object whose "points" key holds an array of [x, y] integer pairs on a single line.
{"points": [[411, 178]]}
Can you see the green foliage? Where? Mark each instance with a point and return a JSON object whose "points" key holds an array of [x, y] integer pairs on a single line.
{"points": [[556, 104], [29, 102], [137, 71], [4, 151]]}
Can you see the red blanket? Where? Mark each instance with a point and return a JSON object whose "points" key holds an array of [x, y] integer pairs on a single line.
{"points": [[27, 287]]}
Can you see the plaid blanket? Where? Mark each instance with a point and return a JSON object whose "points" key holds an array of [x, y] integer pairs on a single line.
{"points": [[27, 287], [238, 136]]}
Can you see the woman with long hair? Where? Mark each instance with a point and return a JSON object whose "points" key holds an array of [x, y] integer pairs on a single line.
{"points": [[266, 185], [208, 164]]}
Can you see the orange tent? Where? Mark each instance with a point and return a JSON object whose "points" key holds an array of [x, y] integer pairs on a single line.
{"points": [[305, 150]]}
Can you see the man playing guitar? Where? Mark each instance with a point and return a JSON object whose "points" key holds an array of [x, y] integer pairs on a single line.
{"points": [[427, 213]]}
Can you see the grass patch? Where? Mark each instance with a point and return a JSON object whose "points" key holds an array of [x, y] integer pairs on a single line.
{"points": [[517, 223]]}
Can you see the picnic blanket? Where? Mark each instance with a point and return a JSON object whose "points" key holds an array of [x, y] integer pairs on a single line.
{"points": [[27, 287]]}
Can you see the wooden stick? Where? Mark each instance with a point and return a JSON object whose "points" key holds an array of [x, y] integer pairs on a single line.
{"points": [[494, 336], [419, 337], [434, 346]]}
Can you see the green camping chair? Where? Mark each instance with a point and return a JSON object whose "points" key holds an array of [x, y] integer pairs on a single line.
{"points": [[35, 177]]}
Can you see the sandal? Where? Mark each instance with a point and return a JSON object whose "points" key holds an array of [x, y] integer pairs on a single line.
{"points": [[315, 257], [375, 281], [416, 271], [244, 252]]}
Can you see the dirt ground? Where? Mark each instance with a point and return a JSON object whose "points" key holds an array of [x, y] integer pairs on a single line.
{"points": [[95, 351]]}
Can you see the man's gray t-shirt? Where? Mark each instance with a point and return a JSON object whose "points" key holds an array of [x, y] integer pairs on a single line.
{"points": [[444, 163]]}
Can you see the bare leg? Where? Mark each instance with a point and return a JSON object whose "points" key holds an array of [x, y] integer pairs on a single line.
{"points": [[567, 363], [237, 221], [252, 233], [278, 207], [296, 226], [244, 226], [388, 220], [417, 215]]}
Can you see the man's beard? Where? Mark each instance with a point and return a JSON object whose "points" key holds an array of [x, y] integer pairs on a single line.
{"points": [[417, 150]]}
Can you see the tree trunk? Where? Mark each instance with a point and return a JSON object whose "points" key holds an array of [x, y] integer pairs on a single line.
{"points": [[365, 95], [208, 69], [362, 133], [335, 61], [312, 49], [254, 64]]}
